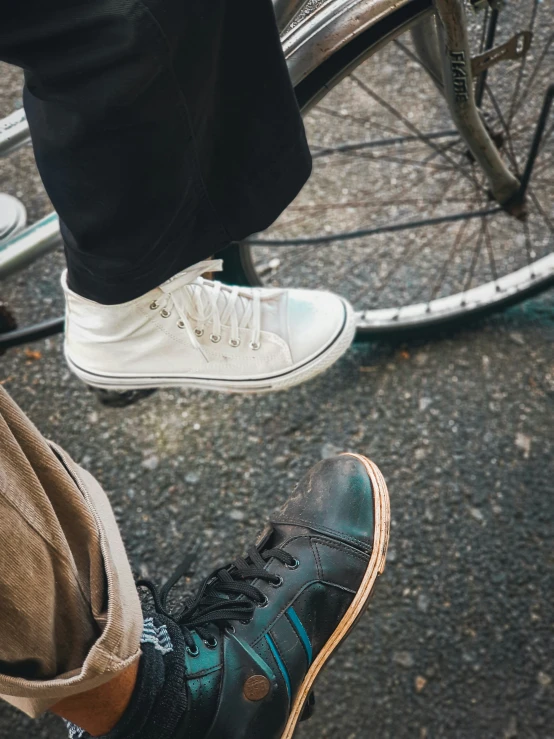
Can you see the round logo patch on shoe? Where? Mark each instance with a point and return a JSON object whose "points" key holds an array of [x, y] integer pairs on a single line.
{"points": [[256, 688]]}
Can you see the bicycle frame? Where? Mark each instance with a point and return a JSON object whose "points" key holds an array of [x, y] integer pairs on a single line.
{"points": [[310, 36]]}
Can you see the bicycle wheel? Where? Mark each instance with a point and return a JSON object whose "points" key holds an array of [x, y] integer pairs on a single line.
{"points": [[397, 215]]}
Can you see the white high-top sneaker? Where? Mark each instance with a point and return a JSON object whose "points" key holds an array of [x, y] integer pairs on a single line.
{"points": [[192, 332]]}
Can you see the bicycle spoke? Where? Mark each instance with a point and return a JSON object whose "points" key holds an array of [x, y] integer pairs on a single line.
{"points": [[371, 93], [447, 147], [487, 42], [456, 245], [401, 260], [402, 161], [484, 30], [525, 130], [540, 181], [356, 119], [404, 254], [547, 162], [539, 207], [546, 136], [391, 228], [474, 259], [409, 53], [527, 243], [502, 120], [372, 204], [522, 65], [439, 281], [376, 205], [421, 178], [525, 93], [380, 143], [490, 251]]}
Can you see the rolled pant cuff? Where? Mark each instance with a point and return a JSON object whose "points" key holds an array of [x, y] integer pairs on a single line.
{"points": [[34, 697], [70, 617]]}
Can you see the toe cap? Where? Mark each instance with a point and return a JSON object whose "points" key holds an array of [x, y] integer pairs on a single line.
{"points": [[314, 320], [335, 497]]}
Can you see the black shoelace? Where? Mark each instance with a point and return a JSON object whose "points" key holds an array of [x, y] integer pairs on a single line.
{"points": [[223, 597]]}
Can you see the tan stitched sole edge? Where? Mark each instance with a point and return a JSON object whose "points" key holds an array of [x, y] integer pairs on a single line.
{"points": [[375, 567]]}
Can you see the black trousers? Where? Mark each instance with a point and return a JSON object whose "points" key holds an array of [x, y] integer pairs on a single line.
{"points": [[163, 129]]}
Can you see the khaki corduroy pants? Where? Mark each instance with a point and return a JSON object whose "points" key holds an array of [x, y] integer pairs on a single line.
{"points": [[70, 616]]}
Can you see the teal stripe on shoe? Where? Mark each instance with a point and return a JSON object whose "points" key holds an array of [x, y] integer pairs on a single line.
{"points": [[301, 631], [280, 664]]}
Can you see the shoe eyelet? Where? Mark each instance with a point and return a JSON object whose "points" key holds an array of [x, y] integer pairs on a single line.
{"points": [[215, 338], [181, 324], [211, 644], [165, 313], [246, 621], [277, 584], [234, 342], [193, 652], [294, 566], [255, 345], [264, 603], [230, 629], [199, 331], [154, 306]]}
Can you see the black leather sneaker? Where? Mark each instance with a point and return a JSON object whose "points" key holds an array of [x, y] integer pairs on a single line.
{"points": [[246, 650]]}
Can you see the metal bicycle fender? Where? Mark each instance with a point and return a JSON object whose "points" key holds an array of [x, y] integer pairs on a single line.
{"points": [[329, 28]]}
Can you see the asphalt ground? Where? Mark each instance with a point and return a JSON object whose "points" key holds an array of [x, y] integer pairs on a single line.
{"points": [[457, 642]]}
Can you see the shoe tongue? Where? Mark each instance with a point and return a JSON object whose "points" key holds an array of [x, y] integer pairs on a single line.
{"points": [[273, 317], [191, 275], [280, 534], [201, 286]]}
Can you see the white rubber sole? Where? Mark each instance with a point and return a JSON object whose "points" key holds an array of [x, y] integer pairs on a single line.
{"points": [[266, 384], [375, 567]]}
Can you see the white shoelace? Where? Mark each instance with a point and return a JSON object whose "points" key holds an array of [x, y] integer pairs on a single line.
{"points": [[198, 302]]}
